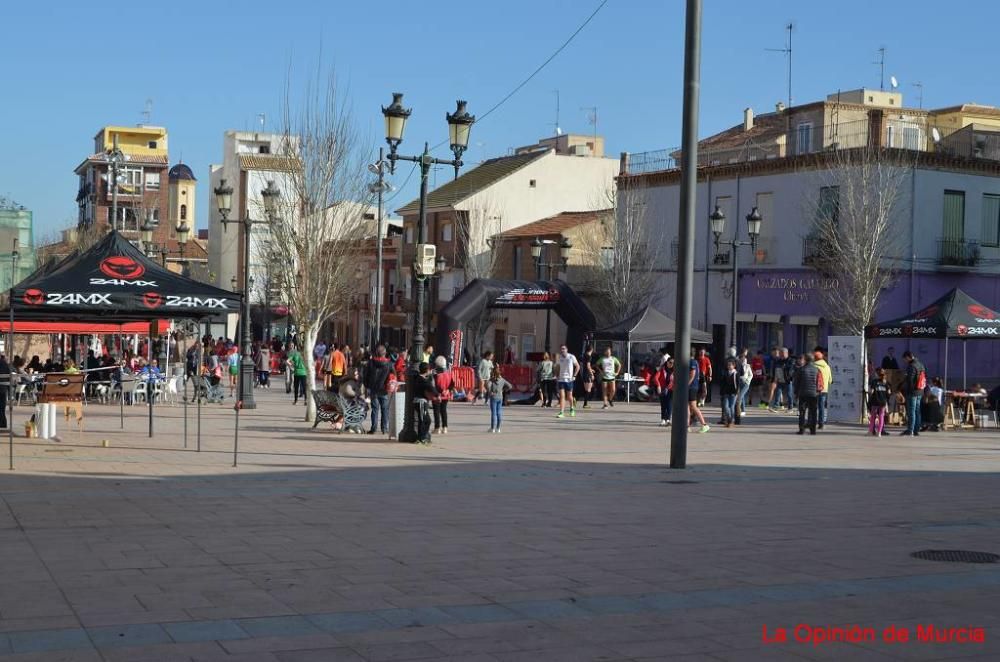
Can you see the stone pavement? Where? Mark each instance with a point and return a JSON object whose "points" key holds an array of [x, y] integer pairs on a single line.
{"points": [[554, 540]]}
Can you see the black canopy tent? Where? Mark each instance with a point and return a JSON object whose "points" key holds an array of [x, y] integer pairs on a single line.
{"points": [[113, 281], [646, 325], [954, 315]]}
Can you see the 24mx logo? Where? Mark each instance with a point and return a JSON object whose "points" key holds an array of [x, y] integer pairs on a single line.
{"points": [[192, 302], [120, 282], [73, 299], [120, 266]]}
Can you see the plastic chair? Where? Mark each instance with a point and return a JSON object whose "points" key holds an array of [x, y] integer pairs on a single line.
{"points": [[171, 390], [138, 391]]}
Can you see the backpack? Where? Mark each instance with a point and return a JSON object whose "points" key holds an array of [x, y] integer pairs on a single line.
{"points": [[746, 373], [921, 380]]}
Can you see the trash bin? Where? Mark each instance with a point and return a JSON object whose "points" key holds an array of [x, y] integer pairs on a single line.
{"points": [[397, 411]]}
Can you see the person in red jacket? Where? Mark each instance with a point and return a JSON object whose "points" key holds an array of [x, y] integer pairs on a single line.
{"points": [[445, 384], [663, 380]]}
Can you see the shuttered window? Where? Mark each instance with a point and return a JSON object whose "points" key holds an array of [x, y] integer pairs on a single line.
{"points": [[953, 227], [991, 220]]}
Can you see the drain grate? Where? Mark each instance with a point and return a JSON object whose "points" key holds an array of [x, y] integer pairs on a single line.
{"points": [[955, 556]]}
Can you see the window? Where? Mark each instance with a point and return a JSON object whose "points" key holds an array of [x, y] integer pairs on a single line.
{"points": [[531, 183], [517, 252], [408, 235], [152, 180], [953, 228], [829, 204], [803, 138], [991, 220], [184, 212], [151, 144], [264, 149], [446, 232]]}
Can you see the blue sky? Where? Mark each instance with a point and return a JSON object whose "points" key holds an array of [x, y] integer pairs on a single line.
{"points": [[211, 65]]}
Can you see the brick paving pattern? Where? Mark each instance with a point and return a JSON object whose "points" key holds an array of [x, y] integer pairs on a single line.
{"points": [[555, 540]]}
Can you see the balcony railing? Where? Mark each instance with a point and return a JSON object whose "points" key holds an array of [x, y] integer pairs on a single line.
{"points": [[958, 252]]}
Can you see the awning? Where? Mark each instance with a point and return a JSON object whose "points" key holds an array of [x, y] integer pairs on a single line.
{"points": [[83, 328], [804, 320], [767, 318]]}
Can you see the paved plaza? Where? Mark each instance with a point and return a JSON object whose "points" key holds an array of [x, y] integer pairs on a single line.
{"points": [[555, 540]]}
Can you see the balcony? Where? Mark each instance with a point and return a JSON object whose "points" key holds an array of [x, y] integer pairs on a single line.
{"points": [[958, 253], [814, 251]]}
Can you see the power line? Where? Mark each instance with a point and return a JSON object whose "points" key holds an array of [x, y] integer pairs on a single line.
{"points": [[540, 67]]}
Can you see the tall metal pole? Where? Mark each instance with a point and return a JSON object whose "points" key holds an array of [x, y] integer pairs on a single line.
{"points": [[685, 258], [409, 431], [736, 293], [377, 331], [10, 376], [115, 158], [246, 361]]}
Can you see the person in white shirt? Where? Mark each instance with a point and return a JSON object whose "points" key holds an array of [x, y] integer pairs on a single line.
{"points": [[610, 368], [569, 368]]}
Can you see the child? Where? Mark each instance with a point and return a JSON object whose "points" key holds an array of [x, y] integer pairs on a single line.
{"points": [[496, 388], [878, 402]]}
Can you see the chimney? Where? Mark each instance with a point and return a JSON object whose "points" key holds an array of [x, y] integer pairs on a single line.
{"points": [[747, 119], [779, 107]]}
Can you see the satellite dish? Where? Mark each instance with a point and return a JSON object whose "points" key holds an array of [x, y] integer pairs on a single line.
{"points": [[936, 135], [373, 168], [893, 82]]}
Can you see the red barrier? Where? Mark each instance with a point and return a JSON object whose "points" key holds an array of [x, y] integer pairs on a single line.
{"points": [[465, 380], [521, 377]]}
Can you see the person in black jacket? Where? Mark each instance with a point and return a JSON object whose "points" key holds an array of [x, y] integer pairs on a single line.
{"points": [[806, 391], [913, 389], [878, 401], [729, 387], [376, 379]]}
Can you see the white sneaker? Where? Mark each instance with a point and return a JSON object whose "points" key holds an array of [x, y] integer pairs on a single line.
{"points": [[492, 430], [663, 422]]}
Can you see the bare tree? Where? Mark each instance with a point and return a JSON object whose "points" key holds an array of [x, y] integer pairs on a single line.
{"points": [[317, 228], [622, 256], [854, 238], [476, 230], [855, 243]]}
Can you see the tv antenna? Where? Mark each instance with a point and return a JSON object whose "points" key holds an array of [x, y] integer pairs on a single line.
{"points": [[592, 120], [262, 119], [881, 64], [787, 50], [147, 111], [558, 130], [920, 94]]}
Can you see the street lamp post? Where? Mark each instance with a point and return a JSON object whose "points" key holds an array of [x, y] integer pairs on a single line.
{"points": [[459, 126], [537, 245], [224, 200], [115, 158], [718, 221], [183, 231], [379, 187]]}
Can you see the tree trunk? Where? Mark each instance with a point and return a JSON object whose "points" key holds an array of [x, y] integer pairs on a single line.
{"points": [[309, 342]]}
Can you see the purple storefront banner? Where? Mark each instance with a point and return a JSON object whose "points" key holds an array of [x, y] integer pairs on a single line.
{"points": [[797, 293]]}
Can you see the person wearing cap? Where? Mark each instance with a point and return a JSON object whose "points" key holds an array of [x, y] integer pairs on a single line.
{"points": [[819, 361]]}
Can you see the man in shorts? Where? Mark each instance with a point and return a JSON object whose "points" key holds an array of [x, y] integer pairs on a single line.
{"points": [[694, 384], [610, 368], [569, 368]]}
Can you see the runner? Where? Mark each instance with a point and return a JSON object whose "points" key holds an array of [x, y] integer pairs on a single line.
{"points": [[588, 375], [610, 368], [693, 387], [569, 368]]}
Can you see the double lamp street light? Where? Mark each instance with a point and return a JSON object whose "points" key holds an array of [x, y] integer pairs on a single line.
{"points": [[424, 266], [224, 201], [537, 245], [718, 222], [183, 231]]}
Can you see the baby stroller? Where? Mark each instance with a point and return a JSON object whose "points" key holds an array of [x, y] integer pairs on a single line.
{"points": [[210, 389]]}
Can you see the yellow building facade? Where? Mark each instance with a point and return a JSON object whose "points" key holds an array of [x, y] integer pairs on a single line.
{"points": [[137, 140]]}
